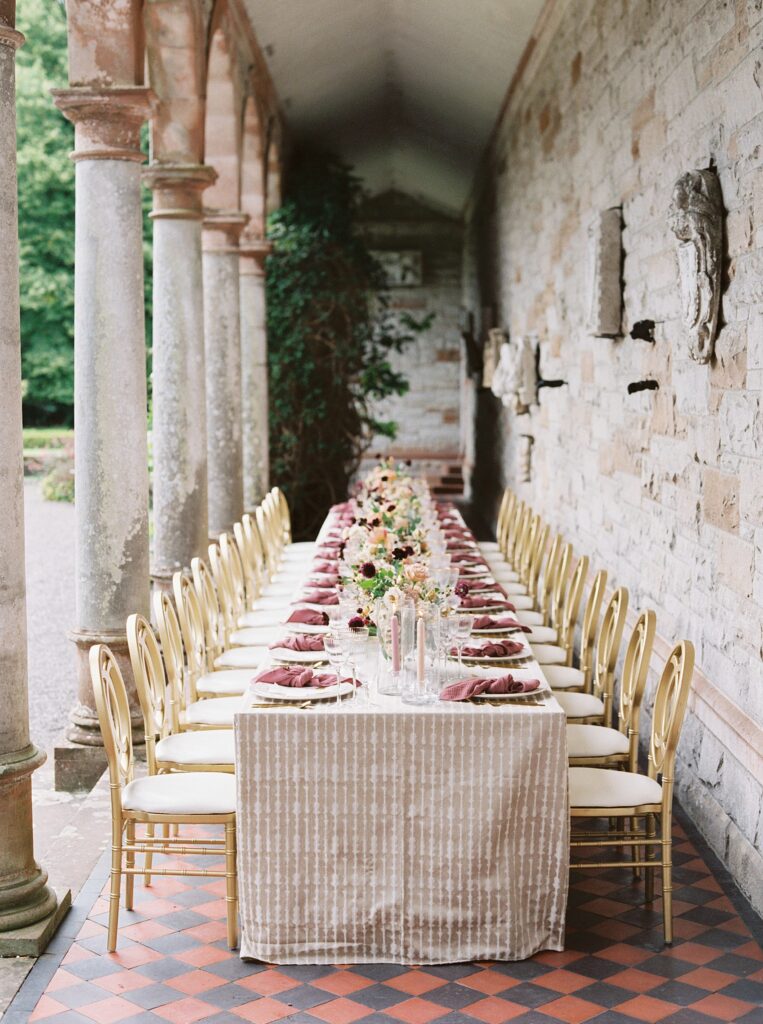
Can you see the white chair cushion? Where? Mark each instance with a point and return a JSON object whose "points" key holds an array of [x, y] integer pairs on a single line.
{"points": [[542, 635], [563, 677], [512, 588], [522, 602], [488, 545], [530, 618], [278, 589], [261, 617], [223, 684], [273, 604], [300, 545], [217, 746], [182, 793], [218, 712], [241, 657], [549, 654], [256, 636], [580, 705], [595, 741], [608, 787]]}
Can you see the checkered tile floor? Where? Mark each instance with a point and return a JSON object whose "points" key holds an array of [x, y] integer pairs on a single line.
{"points": [[172, 965]]}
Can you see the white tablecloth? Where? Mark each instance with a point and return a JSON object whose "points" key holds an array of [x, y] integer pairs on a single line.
{"points": [[413, 835]]}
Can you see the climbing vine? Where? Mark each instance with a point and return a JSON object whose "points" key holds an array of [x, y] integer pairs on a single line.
{"points": [[331, 333]]}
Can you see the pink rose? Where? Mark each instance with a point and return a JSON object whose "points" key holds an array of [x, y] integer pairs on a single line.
{"points": [[416, 572]]}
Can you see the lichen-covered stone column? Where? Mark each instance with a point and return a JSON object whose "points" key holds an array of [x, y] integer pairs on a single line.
{"points": [[25, 898], [222, 349], [254, 371], [179, 433], [111, 456]]}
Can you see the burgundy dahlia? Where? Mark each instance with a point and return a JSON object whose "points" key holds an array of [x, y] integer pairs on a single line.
{"points": [[462, 589], [368, 569], [398, 554], [356, 622]]}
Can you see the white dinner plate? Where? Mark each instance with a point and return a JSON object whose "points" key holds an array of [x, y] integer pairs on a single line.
{"points": [[304, 627], [486, 609], [299, 694], [298, 657], [540, 692], [470, 660], [497, 631], [314, 607]]}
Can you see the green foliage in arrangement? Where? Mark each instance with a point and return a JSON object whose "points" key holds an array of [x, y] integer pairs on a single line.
{"points": [[330, 336], [46, 217]]}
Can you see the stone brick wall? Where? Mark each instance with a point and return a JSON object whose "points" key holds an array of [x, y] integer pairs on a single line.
{"points": [[428, 416], [664, 488]]}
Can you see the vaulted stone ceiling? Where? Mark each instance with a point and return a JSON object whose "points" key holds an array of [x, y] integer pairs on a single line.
{"points": [[407, 91]]}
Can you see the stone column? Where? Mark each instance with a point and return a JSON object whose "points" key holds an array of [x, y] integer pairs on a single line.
{"points": [[222, 349], [254, 371], [29, 909], [179, 433], [111, 456]]}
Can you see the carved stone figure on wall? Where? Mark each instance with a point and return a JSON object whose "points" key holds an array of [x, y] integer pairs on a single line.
{"points": [[604, 273], [515, 379], [696, 219], [495, 338]]}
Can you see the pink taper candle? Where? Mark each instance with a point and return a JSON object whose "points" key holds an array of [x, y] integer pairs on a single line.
{"points": [[395, 644], [420, 652]]}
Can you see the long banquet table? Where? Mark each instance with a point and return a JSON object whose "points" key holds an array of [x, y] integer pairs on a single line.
{"points": [[397, 833]]}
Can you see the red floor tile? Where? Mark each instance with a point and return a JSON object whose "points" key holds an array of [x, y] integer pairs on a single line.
{"points": [[122, 981], [571, 1009], [343, 983], [563, 981], [489, 982], [722, 1007], [196, 982], [46, 1007], [269, 983], [648, 1009], [416, 983], [345, 1011], [108, 1011], [185, 1011], [494, 1010]]}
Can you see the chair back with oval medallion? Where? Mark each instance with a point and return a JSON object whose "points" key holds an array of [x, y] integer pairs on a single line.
{"points": [[638, 654], [670, 700], [154, 694], [590, 624], [173, 654], [113, 710], [191, 618], [608, 649]]}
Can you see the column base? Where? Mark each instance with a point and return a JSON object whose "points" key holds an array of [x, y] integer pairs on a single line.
{"points": [[161, 580], [32, 939]]}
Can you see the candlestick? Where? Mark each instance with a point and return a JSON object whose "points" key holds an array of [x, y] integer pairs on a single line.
{"points": [[420, 642], [395, 626]]}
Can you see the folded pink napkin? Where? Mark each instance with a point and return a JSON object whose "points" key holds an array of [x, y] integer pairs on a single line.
{"points": [[320, 597], [331, 554], [492, 649], [332, 543], [475, 585], [327, 583], [299, 642], [284, 676], [468, 557], [308, 617], [491, 622], [466, 688], [486, 601], [325, 567], [457, 544]]}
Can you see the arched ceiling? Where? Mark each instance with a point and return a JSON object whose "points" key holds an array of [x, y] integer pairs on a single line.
{"points": [[407, 91]]}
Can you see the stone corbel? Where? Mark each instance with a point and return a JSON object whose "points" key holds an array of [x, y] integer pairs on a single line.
{"points": [[605, 301], [253, 252], [222, 230], [178, 189]]}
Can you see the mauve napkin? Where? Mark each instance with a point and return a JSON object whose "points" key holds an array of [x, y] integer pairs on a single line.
{"points": [[296, 677], [331, 554], [468, 557], [329, 568], [491, 622], [492, 649], [299, 642], [486, 601], [320, 597], [308, 617], [474, 585], [466, 688], [328, 583]]}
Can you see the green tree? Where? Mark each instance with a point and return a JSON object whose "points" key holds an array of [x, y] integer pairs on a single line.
{"points": [[46, 217], [330, 334]]}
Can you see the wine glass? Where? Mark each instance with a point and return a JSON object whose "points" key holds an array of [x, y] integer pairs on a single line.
{"points": [[462, 629], [358, 640], [334, 649]]}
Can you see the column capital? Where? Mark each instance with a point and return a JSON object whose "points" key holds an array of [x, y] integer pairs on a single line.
{"points": [[11, 37], [253, 251], [177, 189], [222, 229], [107, 121]]}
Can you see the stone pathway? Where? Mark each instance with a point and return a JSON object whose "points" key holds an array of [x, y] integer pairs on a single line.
{"points": [[50, 613]]}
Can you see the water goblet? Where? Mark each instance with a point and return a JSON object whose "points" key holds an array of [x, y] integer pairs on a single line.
{"points": [[334, 649], [462, 628], [358, 640]]}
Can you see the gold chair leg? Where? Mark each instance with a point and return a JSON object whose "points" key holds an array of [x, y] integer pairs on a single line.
{"points": [[130, 863], [149, 855], [666, 835], [651, 832], [231, 884], [116, 885], [632, 826]]}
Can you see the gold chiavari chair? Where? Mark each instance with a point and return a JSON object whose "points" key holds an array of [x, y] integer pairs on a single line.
{"points": [[595, 708], [188, 711], [603, 746], [218, 616], [211, 750], [555, 657], [221, 683], [504, 565], [203, 798], [629, 796]]}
